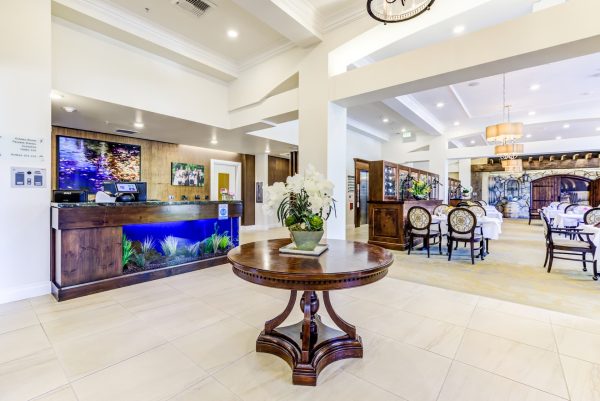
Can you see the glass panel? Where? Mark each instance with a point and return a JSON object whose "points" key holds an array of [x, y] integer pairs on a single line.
{"points": [[156, 245], [389, 182]]}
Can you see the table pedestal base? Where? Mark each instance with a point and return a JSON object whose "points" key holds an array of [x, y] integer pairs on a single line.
{"points": [[310, 345]]}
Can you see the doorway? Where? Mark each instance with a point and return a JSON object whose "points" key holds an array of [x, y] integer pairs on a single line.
{"points": [[361, 192], [225, 176]]}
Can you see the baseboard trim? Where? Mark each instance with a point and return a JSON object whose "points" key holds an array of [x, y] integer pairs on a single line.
{"points": [[18, 293]]}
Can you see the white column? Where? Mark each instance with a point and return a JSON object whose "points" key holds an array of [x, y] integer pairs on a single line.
{"points": [[25, 84], [464, 172], [438, 164], [322, 134], [263, 220]]}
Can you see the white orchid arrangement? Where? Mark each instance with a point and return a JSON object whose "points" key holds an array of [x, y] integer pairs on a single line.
{"points": [[303, 202]]}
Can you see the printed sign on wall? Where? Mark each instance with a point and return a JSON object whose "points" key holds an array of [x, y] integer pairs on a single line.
{"points": [[22, 148]]}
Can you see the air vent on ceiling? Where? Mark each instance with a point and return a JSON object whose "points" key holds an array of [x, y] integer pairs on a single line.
{"points": [[125, 131], [196, 7]]}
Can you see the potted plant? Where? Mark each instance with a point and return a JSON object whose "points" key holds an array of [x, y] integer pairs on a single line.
{"points": [[420, 190], [466, 192], [302, 204]]}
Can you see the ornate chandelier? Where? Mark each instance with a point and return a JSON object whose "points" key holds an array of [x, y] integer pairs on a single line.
{"points": [[506, 133], [397, 10]]}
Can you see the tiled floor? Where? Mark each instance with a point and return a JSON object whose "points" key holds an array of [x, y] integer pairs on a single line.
{"points": [[191, 337]]}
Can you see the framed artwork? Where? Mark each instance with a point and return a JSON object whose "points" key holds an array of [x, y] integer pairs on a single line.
{"points": [[259, 192], [187, 174]]}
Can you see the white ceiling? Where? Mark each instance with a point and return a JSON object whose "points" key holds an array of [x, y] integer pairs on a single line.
{"points": [[98, 116], [330, 7], [210, 29], [569, 94]]}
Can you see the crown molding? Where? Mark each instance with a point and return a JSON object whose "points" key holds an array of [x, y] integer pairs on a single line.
{"points": [[341, 18], [128, 22], [262, 57], [304, 12]]}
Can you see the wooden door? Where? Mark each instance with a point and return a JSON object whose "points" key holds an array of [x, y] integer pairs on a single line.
{"points": [[544, 191], [595, 193]]}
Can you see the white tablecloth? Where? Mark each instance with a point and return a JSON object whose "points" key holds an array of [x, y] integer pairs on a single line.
{"points": [[562, 220], [491, 211], [595, 238], [550, 212], [492, 227]]}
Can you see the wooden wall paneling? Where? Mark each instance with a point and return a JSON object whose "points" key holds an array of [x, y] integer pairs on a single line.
{"points": [[293, 162], [156, 162], [248, 189], [278, 169], [595, 193]]}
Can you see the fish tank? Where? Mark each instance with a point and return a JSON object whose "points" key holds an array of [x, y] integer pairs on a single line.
{"points": [[157, 245]]}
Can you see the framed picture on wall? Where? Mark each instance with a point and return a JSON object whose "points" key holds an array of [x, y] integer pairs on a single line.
{"points": [[187, 174], [259, 192]]}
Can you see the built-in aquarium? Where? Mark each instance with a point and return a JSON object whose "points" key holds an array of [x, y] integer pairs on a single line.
{"points": [[157, 245]]}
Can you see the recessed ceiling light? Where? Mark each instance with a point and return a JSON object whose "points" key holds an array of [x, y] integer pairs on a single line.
{"points": [[559, 137], [232, 33], [535, 87], [566, 126], [214, 142], [531, 113], [385, 120], [55, 95], [439, 105], [456, 123], [528, 136], [458, 29], [472, 141], [138, 124], [69, 109]]}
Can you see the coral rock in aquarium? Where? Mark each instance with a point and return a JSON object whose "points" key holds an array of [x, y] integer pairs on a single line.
{"points": [[157, 245]]}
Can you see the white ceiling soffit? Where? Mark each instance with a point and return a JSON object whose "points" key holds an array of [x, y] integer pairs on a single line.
{"points": [[123, 24], [414, 112], [98, 116], [297, 20], [367, 130]]}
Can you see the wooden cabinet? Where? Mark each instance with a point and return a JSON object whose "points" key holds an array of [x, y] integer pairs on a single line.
{"points": [[557, 188], [387, 181], [454, 189]]}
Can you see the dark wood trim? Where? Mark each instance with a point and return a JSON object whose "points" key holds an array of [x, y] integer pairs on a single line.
{"points": [[359, 165], [75, 291], [114, 216], [248, 189]]}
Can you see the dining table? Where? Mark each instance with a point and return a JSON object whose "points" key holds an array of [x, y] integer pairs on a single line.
{"points": [[491, 226], [562, 220], [491, 211]]}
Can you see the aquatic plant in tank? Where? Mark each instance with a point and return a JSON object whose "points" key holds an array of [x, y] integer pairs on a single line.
{"points": [[157, 245]]}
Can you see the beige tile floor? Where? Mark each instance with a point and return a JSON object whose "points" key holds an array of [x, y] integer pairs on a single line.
{"points": [[191, 337]]}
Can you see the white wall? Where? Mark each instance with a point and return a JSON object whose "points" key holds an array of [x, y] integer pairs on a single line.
{"points": [[263, 219], [89, 64], [25, 83]]}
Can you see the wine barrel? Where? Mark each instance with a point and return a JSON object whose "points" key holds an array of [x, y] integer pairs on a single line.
{"points": [[511, 210]]}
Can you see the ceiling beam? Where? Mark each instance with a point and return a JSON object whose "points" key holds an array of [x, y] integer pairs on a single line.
{"points": [[297, 20], [490, 51], [411, 109]]}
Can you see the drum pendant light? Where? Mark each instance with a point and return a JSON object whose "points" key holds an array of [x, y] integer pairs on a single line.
{"points": [[390, 11]]}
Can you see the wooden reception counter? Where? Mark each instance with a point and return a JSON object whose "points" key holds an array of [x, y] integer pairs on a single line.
{"points": [[387, 221], [97, 247]]}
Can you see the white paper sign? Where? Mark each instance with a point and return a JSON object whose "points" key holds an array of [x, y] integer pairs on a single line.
{"points": [[22, 148], [223, 211]]}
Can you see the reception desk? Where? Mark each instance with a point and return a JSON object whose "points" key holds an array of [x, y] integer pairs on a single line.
{"points": [[98, 247], [387, 221]]}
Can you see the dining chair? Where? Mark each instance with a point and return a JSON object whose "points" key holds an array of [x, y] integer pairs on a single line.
{"points": [[562, 206], [483, 203], [571, 208], [572, 249], [440, 209], [419, 225], [480, 212], [592, 216], [461, 228], [533, 214]]}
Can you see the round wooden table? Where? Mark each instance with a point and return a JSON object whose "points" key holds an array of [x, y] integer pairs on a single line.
{"points": [[310, 345]]}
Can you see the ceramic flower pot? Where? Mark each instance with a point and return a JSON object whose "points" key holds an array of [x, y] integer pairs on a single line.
{"points": [[420, 197], [306, 240]]}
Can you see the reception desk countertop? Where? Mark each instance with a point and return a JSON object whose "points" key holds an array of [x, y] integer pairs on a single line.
{"points": [[130, 204]]}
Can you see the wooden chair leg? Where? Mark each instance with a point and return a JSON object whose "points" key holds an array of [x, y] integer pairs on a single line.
{"points": [[482, 250], [472, 252], [551, 259], [487, 246], [595, 271], [546, 259], [426, 239], [449, 249], [410, 242], [440, 243], [583, 261]]}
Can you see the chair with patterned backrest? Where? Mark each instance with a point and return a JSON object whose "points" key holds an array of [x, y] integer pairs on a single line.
{"points": [[478, 211], [571, 208], [562, 206], [419, 226], [581, 209], [483, 203], [571, 249], [440, 209], [592, 216], [463, 204], [461, 228]]}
